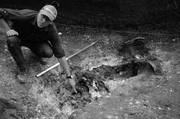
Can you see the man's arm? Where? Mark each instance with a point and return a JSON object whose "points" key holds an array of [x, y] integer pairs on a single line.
{"points": [[8, 15], [60, 54], [14, 14], [64, 65], [5, 25]]}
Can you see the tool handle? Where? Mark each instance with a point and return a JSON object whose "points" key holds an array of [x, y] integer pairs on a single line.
{"points": [[55, 65]]}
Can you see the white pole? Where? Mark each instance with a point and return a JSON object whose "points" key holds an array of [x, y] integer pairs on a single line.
{"points": [[43, 72]]}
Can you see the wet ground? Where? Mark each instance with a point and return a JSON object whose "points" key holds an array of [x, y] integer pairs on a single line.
{"points": [[103, 92]]}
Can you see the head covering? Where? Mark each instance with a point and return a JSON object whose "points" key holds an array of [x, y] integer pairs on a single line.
{"points": [[50, 11]]}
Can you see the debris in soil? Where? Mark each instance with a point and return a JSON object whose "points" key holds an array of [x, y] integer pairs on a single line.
{"points": [[133, 48], [137, 58], [90, 84], [5, 104], [8, 105]]}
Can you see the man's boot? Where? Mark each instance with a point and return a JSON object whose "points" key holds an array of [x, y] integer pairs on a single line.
{"points": [[14, 47], [22, 74]]}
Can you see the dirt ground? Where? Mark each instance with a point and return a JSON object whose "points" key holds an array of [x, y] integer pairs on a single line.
{"points": [[139, 97]]}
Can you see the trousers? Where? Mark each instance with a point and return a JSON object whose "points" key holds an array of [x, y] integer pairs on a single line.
{"points": [[41, 49]]}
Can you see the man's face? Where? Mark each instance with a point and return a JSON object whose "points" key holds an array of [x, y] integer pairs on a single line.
{"points": [[43, 20]]}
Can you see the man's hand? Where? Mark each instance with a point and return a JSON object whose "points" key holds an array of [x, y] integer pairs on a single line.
{"points": [[72, 83], [12, 32]]}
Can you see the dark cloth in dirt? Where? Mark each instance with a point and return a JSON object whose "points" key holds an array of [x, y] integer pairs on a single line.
{"points": [[30, 35]]}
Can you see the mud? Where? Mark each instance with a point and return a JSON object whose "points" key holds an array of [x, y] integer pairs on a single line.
{"points": [[118, 78]]}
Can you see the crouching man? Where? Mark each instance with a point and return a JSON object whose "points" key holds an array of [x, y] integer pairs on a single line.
{"points": [[35, 30]]}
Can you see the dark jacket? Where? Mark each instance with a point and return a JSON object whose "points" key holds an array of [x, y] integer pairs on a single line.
{"points": [[24, 22]]}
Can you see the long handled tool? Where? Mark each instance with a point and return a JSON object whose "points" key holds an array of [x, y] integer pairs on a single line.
{"points": [[43, 72]]}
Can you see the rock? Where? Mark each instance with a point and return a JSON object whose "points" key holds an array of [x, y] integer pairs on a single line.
{"points": [[79, 114], [6, 104], [60, 116]]}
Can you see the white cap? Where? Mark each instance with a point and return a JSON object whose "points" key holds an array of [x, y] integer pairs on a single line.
{"points": [[50, 11]]}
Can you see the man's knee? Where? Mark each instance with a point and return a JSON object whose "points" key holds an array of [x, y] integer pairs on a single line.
{"points": [[45, 52], [48, 53], [59, 54], [13, 42]]}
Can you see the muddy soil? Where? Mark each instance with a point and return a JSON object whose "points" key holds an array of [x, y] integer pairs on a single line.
{"points": [[103, 91]]}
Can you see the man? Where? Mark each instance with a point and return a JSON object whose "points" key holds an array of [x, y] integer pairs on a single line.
{"points": [[36, 31]]}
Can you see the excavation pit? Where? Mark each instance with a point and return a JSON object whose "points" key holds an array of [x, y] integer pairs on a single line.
{"points": [[93, 72]]}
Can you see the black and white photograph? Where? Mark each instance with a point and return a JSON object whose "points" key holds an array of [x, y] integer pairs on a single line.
{"points": [[89, 59]]}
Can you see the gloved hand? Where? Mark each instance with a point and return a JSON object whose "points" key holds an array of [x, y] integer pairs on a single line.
{"points": [[72, 82], [12, 32]]}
